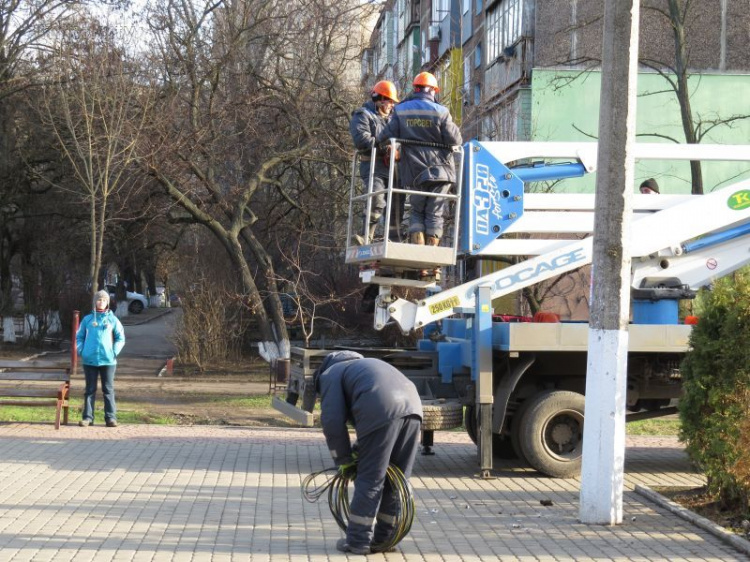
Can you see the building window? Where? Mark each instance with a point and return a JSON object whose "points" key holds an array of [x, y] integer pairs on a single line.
{"points": [[467, 79], [478, 55], [440, 9], [403, 22], [504, 27], [478, 6], [477, 94], [366, 62], [466, 6]]}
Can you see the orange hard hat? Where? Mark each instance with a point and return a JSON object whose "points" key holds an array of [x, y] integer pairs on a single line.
{"points": [[426, 79], [386, 89]]}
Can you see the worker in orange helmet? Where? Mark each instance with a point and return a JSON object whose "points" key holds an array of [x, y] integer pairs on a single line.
{"points": [[366, 122], [425, 168]]}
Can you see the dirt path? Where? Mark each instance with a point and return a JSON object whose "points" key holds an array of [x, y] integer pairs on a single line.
{"points": [[197, 399]]}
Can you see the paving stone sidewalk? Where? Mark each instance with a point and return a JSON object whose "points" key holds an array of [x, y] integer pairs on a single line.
{"points": [[151, 493]]}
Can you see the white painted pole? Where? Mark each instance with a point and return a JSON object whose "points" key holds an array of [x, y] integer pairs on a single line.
{"points": [[604, 429]]}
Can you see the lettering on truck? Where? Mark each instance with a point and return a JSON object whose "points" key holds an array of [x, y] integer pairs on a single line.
{"points": [[527, 274], [739, 200], [486, 199], [442, 306]]}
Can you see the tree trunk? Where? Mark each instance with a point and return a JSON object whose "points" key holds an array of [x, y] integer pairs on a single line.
{"points": [[683, 92], [274, 342]]}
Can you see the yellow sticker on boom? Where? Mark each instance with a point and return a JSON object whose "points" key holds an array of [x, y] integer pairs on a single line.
{"points": [[442, 306]]}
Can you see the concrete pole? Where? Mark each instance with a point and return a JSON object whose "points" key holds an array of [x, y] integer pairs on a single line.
{"points": [[604, 429]]}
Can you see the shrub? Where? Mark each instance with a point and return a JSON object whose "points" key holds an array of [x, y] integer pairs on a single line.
{"points": [[715, 408]]}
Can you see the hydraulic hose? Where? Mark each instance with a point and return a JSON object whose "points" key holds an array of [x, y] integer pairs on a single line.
{"points": [[336, 483]]}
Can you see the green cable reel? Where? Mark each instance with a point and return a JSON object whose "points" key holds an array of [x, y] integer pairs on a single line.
{"points": [[337, 484]]}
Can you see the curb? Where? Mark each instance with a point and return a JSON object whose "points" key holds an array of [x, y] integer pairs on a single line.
{"points": [[719, 532]]}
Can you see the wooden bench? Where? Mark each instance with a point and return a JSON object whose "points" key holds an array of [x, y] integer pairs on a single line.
{"points": [[34, 383]]}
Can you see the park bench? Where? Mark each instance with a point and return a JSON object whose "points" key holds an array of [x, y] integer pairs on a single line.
{"points": [[34, 383]]}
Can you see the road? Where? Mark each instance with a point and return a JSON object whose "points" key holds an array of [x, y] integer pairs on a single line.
{"points": [[148, 335], [148, 342]]}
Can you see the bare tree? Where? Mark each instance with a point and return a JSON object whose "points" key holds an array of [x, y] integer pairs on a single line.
{"points": [[674, 33], [24, 26], [250, 133], [96, 107], [310, 294], [677, 15]]}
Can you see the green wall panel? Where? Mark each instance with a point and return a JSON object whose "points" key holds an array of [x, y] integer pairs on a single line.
{"points": [[565, 107]]}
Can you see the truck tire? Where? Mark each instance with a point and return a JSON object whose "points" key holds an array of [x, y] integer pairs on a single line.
{"points": [[551, 433], [470, 423], [515, 429], [437, 415], [502, 448]]}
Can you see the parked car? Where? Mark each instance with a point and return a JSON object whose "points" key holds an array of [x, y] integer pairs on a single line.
{"points": [[174, 299], [136, 301]]}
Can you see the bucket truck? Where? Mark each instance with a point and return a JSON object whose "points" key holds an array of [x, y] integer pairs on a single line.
{"points": [[519, 383]]}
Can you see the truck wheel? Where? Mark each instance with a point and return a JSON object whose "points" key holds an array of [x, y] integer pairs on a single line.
{"points": [[551, 433], [445, 415], [515, 428], [470, 423], [502, 448]]}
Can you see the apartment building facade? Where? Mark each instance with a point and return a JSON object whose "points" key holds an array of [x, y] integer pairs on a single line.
{"points": [[530, 69]]}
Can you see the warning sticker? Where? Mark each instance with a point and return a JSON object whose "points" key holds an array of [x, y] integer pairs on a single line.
{"points": [[442, 306]]}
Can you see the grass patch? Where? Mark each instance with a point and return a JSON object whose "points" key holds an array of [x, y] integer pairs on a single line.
{"points": [[34, 414], [656, 426]]}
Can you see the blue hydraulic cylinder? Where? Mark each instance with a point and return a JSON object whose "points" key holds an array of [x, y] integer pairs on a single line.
{"points": [[717, 238], [548, 172]]}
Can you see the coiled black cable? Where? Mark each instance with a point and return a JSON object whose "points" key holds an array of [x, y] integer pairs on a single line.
{"points": [[337, 484]]}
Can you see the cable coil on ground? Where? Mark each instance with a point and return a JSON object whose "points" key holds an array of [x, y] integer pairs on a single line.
{"points": [[337, 484]]}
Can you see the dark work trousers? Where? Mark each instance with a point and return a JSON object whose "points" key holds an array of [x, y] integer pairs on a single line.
{"points": [[374, 502], [426, 213], [107, 374], [377, 202]]}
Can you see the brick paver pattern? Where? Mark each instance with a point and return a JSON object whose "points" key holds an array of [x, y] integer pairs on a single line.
{"points": [[157, 493]]}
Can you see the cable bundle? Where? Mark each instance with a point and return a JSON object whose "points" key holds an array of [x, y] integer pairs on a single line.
{"points": [[337, 484]]}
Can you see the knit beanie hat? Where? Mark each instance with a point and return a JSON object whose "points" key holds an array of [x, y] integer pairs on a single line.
{"points": [[101, 295], [651, 184]]}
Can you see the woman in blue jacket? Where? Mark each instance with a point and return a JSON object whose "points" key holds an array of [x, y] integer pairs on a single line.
{"points": [[99, 340]]}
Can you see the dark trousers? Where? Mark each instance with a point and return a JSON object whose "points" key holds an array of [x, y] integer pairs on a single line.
{"points": [[107, 374], [427, 213], [374, 501], [379, 182]]}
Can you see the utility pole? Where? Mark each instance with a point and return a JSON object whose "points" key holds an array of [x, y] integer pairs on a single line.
{"points": [[606, 375]]}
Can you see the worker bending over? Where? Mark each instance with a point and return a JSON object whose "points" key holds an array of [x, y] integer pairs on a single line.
{"points": [[386, 411]]}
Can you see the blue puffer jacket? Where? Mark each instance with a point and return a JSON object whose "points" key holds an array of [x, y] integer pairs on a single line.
{"points": [[370, 393], [100, 338]]}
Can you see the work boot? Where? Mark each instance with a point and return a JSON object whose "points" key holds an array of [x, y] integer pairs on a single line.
{"points": [[437, 272], [427, 274], [360, 241], [417, 238], [343, 546]]}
